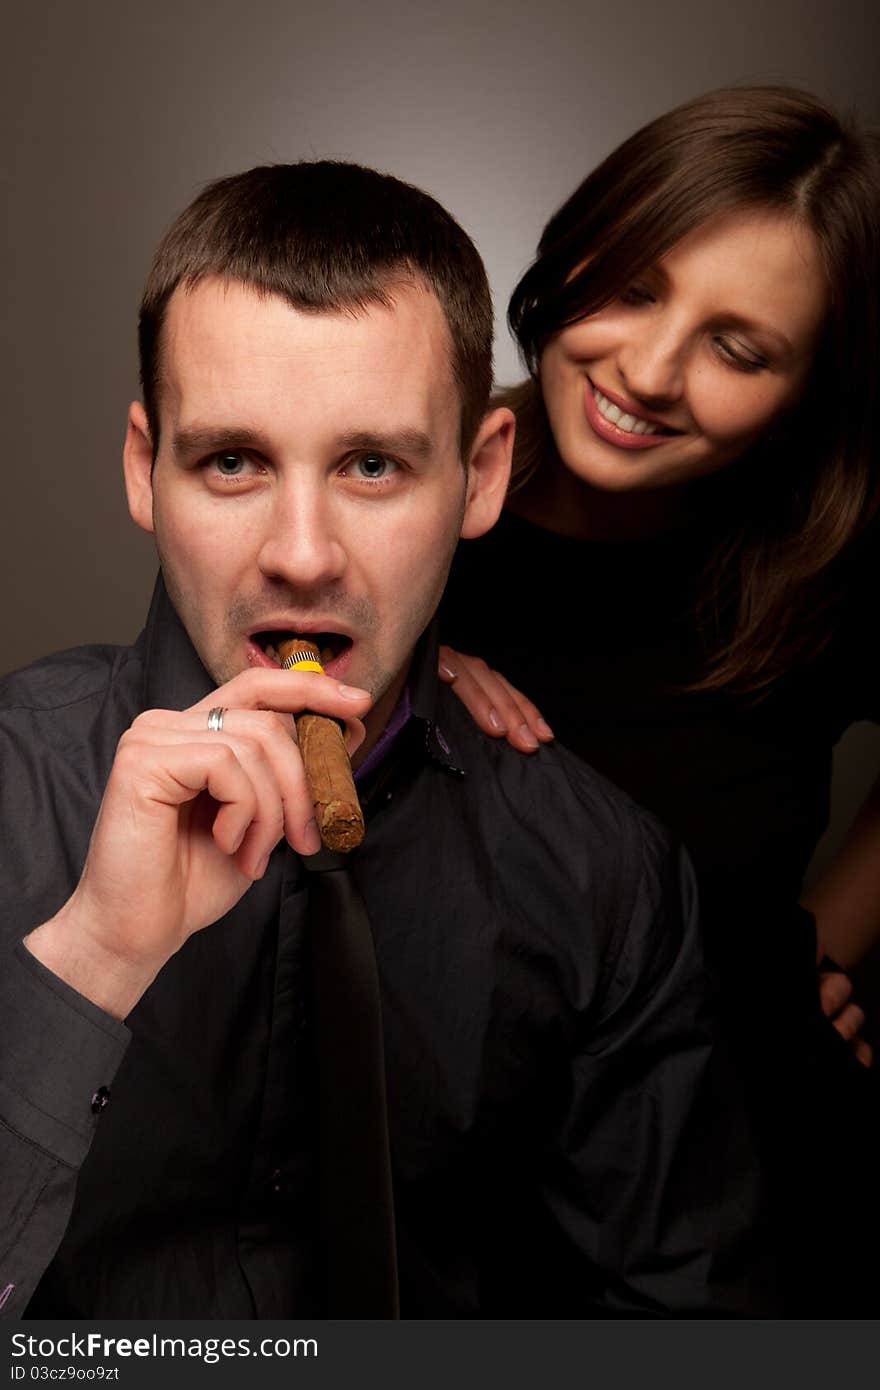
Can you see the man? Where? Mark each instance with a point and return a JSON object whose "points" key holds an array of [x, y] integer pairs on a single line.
{"points": [[316, 363]]}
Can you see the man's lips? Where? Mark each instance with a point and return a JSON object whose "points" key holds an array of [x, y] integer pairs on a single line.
{"points": [[636, 430], [335, 647]]}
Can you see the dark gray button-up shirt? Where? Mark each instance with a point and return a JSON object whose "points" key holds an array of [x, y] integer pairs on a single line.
{"points": [[557, 1148]]}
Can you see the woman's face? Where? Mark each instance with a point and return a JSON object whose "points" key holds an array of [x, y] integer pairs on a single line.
{"points": [[694, 361]]}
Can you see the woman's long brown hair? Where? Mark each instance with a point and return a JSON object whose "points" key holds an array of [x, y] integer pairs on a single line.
{"points": [[797, 504]]}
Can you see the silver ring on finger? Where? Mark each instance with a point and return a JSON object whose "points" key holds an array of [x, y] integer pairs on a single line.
{"points": [[215, 719]]}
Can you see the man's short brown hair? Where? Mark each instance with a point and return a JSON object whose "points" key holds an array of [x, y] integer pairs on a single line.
{"points": [[326, 236]]}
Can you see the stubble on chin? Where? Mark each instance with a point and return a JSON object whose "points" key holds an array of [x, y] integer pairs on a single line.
{"points": [[222, 653], [218, 664]]}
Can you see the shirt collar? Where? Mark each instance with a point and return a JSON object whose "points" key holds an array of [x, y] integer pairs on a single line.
{"points": [[423, 690], [400, 717], [174, 678], [417, 706]]}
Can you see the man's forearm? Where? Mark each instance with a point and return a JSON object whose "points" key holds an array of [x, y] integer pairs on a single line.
{"points": [[58, 1059], [107, 980]]}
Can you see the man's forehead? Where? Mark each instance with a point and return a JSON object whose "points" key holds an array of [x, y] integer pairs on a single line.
{"points": [[226, 316], [225, 344]]}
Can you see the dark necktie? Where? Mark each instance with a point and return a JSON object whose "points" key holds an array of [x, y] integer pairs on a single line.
{"points": [[357, 1206]]}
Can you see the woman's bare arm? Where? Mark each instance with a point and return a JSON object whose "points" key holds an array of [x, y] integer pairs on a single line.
{"points": [[846, 899]]}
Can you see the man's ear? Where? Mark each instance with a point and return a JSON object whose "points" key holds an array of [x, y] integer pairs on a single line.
{"points": [[488, 472], [137, 463]]}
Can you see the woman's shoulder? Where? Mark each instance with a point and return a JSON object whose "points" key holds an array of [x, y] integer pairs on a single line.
{"points": [[849, 664], [522, 582]]}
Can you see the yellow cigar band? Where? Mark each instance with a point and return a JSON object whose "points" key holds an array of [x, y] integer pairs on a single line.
{"points": [[306, 663]]}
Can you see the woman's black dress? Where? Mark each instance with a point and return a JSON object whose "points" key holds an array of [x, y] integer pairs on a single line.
{"points": [[604, 638]]}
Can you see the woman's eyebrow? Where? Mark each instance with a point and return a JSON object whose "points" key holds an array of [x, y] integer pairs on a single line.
{"points": [[727, 316], [760, 329]]}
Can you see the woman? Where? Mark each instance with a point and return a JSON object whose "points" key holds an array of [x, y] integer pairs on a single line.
{"points": [[682, 579]]}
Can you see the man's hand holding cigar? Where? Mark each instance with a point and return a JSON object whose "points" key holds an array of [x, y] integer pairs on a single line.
{"points": [[195, 803]]}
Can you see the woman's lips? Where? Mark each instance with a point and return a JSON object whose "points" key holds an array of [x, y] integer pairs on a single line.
{"points": [[613, 434]]}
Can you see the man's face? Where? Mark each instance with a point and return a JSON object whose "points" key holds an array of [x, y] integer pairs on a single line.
{"points": [[308, 477]]}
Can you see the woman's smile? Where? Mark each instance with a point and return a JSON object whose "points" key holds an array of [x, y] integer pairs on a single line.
{"points": [[613, 420]]}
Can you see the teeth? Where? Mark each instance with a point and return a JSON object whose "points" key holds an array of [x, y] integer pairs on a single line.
{"points": [[631, 423], [327, 652]]}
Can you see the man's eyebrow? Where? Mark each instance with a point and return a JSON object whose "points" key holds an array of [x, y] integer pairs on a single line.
{"points": [[206, 439], [404, 441]]}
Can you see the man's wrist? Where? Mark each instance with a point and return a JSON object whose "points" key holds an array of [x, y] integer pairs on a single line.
{"points": [[111, 982]]}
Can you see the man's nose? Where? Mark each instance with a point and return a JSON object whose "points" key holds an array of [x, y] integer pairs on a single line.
{"points": [[651, 364], [302, 545]]}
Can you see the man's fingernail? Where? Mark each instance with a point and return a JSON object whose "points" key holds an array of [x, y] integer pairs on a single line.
{"points": [[447, 672], [351, 692], [527, 736], [312, 837], [544, 729], [497, 722]]}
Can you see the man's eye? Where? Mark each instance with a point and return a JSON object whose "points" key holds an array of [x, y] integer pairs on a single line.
{"points": [[229, 465], [372, 467]]}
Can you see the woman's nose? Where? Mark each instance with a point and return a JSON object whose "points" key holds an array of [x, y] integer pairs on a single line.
{"points": [[651, 366]]}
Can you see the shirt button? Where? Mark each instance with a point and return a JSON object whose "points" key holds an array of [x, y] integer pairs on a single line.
{"points": [[275, 1181], [100, 1100]]}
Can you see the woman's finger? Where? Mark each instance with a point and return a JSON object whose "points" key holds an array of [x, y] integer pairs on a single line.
{"points": [[835, 989], [531, 714], [864, 1052], [850, 1021], [496, 706]]}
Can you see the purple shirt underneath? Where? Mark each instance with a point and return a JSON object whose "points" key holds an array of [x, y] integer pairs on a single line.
{"points": [[399, 719]]}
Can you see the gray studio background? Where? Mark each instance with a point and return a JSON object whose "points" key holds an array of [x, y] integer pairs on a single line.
{"points": [[116, 114]]}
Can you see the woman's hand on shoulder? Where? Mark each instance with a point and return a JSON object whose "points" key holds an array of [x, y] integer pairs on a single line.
{"points": [[835, 994], [495, 705]]}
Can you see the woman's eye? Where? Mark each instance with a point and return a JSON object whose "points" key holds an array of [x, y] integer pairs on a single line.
{"points": [[637, 294], [372, 467], [739, 356]]}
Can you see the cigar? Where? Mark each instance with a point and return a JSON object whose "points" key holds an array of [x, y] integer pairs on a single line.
{"points": [[325, 756]]}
